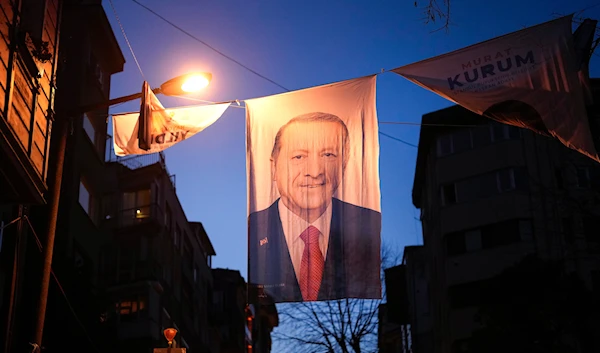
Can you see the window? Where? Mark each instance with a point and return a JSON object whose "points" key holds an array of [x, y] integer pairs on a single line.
{"points": [[455, 243], [455, 142], [84, 198], [176, 236], [501, 132], [464, 139], [489, 236], [136, 206], [97, 71], [129, 309], [168, 218], [485, 185], [461, 140], [449, 194], [506, 180], [444, 145], [187, 254], [89, 129]]}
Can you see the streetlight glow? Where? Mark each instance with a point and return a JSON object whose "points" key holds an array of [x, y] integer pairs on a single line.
{"points": [[184, 84], [194, 83]]}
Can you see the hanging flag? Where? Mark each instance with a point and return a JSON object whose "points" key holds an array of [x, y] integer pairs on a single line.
{"points": [[155, 128], [314, 215], [149, 104], [528, 78], [583, 39]]}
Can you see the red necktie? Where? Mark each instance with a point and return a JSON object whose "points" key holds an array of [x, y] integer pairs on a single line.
{"points": [[311, 267]]}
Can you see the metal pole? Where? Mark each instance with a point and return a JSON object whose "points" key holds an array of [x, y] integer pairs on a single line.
{"points": [[63, 130]]}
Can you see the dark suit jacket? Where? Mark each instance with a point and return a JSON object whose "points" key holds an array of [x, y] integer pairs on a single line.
{"points": [[352, 264]]}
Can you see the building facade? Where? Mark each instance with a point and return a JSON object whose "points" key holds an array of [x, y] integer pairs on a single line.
{"points": [[490, 195], [29, 46], [127, 262], [155, 265]]}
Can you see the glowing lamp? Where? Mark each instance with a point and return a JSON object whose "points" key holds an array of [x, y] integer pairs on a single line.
{"points": [[187, 83], [170, 335]]}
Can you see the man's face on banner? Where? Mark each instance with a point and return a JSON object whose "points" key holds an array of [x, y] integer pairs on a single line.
{"points": [[308, 168]]}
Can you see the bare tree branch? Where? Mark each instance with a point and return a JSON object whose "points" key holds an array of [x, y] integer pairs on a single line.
{"points": [[344, 326], [437, 11]]}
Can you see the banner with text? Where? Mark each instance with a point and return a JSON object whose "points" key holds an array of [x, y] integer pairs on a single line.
{"points": [[314, 215], [529, 78], [155, 128]]}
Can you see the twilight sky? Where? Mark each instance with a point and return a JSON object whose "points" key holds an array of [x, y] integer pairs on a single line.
{"points": [[300, 44]]}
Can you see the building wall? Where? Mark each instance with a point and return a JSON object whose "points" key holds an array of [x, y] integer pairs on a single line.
{"points": [[154, 241], [27, 68], [488, 202]]}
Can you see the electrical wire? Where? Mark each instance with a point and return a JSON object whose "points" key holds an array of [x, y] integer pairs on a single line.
{"points": [[61, 289], [399, 140], [210, 46], [261, 75], [127, 40]]}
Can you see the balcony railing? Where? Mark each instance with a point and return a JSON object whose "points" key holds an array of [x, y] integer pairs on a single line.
{"points": [[151, 213], [138, 161]]}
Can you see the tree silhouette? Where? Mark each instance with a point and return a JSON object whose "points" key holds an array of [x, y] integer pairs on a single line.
{"points": [[345, 325]]}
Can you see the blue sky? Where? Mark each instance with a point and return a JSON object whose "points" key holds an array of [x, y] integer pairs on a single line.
{"points": [[300, 44]]}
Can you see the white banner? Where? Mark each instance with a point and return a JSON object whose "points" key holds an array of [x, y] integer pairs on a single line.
{"points": [[313, 194], [165, 127], [527, 78]]}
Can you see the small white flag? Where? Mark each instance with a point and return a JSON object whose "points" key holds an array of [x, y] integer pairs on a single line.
{"points": [[162, 128]]}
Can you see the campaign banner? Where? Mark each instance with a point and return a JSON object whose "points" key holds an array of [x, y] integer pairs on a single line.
{"points": [[529, 78], [314, 213], [155, 128]]}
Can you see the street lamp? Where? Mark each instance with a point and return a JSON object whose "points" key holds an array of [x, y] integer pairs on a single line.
{"points": [[179, 85]]}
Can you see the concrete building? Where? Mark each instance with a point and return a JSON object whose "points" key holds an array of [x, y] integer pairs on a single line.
{"points": [[155, 265], [229, 313], [490, 194]]}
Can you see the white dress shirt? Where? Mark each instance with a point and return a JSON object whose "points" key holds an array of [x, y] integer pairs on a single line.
{"points": [[293, 226]]}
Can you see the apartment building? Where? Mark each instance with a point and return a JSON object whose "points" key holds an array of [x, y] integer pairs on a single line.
{"points": [[490, 195]]}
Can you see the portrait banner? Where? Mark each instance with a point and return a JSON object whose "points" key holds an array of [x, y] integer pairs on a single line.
{"points": [[314, 213], [155, 128], [529, 78]]}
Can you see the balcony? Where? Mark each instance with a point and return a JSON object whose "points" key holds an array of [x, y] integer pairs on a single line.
{"points": [[137, 162], [148, 219]]}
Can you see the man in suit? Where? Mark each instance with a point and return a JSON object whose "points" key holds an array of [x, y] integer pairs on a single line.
{"points": [[309, 245]]}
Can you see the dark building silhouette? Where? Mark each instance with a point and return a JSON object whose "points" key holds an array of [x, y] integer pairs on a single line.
{"points": [[127, 262], [238, 327], [261, 319], [154, 265], [490, 195], [229, 313]]}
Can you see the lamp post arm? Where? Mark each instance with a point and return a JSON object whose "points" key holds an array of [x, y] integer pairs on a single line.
{"points": [[96, 106]]}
